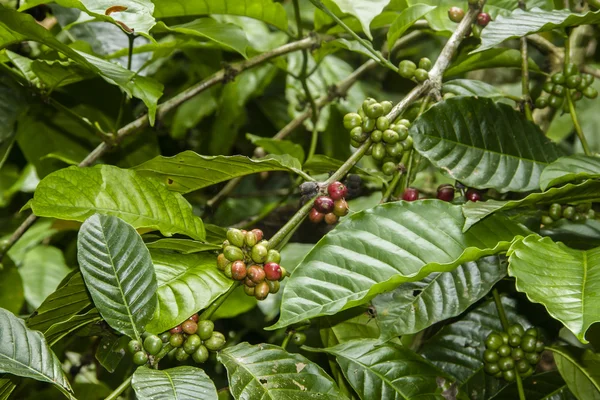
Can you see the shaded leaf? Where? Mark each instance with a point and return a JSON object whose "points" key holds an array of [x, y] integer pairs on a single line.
{"points": [[61, 329], [277, 147], [321, 164], [492, 58], [544, 386], [173, 383], [236, 304], [43, 269], [118, 273], [111, 351], [348, 325], [184, 246], [576, 235], [569, 169], [470, 87], [580, 369], [11, 286], [405, 20]]}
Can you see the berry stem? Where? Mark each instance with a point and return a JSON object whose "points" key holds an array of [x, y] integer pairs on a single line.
{"points": [[163, 352], [392, 186], [122, 387], [525, 96], [286, 339], [500, 308], [520, 385], [210, 310], [291, 225]]}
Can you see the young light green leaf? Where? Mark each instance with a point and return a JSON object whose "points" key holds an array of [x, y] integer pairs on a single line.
{"points": [[265, 10], [278, 147], [414, 306], [522, 23], [563, 280], [400, 242], [484, 144], [569, 169], [269, 372], [24, 352], [187, 283], [173, 383], [492, 58], [118, 273], [378, 370], [405, 20], [588, 191], [470, 87], [580, 369], [364, 11], [43, 268], [76, 193], [184, 246]]}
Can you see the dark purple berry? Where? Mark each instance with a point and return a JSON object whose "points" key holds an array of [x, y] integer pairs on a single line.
{"points": [[324, 204], [410, 194], [483, 19], [473, 195], [445, 192]]}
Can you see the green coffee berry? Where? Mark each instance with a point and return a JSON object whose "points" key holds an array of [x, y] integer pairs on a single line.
{"points": [[493, 341], [548, 87], [394, 150], [376, 136], [425, 63], [390, 136], [299, 338], [134, 346], [522, 366], [378, 151], [559, 90], [568, 212], [140, 358], [504, 350], [176, 340], [259, 253], [387, 106], [273, 286], [352, 120], [358, 135], [555, 101], [233, 253], [235, 237], [374, 111], [573, 81], [407, 69], [368, 124], [273, 256], [517, 354], [532, 358], [528, 343], [541, 102], [546, 220], [153, 344], [492, 368], [383, 123], [205, 329], [421, 75], [509, 376], [571, 70], [215, 342], [200, 355], [401, 130], [192, 343], [590, 92], [389, 168], [558, 78], [555, 213], [506, 363], [181, 355], [490, 356]]}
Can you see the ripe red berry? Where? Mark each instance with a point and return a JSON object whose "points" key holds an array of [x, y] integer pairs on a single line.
{"points": [[315, 216], [331, 218], [337, 190], [272, 271], [324, 204], [483, 19], [194, 317], [473, 195], [410, 194], [176, 329], [256, 274], [238, 270], [259, 234], [456, 14], [189, 327], [445, 192]]}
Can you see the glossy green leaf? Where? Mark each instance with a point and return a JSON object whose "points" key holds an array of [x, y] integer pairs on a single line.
{"points": [[277, 147], [492, 58], [483, 144], [348, 325], [400, 242], [470, 87], [8, 383], [543, 386], [577, 235], [563, 280], [43, 269], [41, 230], [77, 193], [11, 286], [569, 169], [414, 306], [111, 350], [365, 12], [264, 10], [405, 20], [187, 283], [585, 192], [24, 352], [269, 372], [118, 273], [581, 371], [236, 304], [184, 246], [522, 23], [173, 383], [333, 46], [378, 370], [73, 324], [189, 171]]}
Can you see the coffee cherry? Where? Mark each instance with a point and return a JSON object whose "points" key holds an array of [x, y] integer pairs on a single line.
{"points": [[340, 207], [573, 81], [558, 78], [272, 271], [473, 195], [205, 329], [331, 218], [490, 356], [273, 286], [410, 194], [273, 256], [586, 80], [506, 363], [374, 111], [368, 124], [194, 317], [134, 346], [421, 75], [407, 143], [509, 376], [227, 272], [555, 211], [352, 120], [389, 168], [571, 70], [233, 253], [483, 19], [522, 366], [235, 237], [590, 92], [394, 150], [250, 239], [559, 90], [181, 355], [539, 346], [189, 327], [514, 340], [191, 344], [528, 343], [299, 338], [176, 329], [504, 350], [532, 358], [546, 220], [238, 270], [284, 273], [140, 358], [555, 101], [337, 190], [387, 106], [222, 262], [376, 135], [259, 253], [176, 340], [407, 69], [200, 355], [378, 151], [324, 204], [249, 290], [357, 134], [445, 192], [548, 87], [152, 344], [456, 14], [517, 354], [401, 130], [568, 212], [256, 274], [390, 136], [425, 63], [541, 102], [165, 336], [315, 217], [215, 342], [382, 123]]}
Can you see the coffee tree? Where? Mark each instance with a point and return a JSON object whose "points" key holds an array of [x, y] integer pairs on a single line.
{"points": [[299, 199]]}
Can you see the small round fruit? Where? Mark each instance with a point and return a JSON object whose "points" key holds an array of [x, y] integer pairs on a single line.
{"points": [[352, 120], [261, 290], [233, 253], [189, 327], [421, 75], [238, 270], [205, 329], [522, 366], [586, 80], [541, 102], [555, 101], [558, 78], [492, 368], [340, 207], [407, 143], [590, 92], [273, 256], [394, 150], [249, 290], [256, 274], [555, 213], [390, 136], [337, 190], [376, 136], [539, 346], [402, 121], [514, 340], [382, 123], [324, 204], [490, 356], [315, 217], [528, 343], [235, 237], [165, 336], [181, 355], [473, 195], [284, 273], [387, 106], [445, 192], [367, 102], [191, 344], [134, 346], [176, 329], [516, 329], [456, 14], [200, 355], [509, 376], [533, 332], [389, 168], [378, 151], [573, 81], [579, 218], [222, 262], [504, 350], [410, 194], [425, 63], [331, 218], [483, 19], [591, 214], [368, 124], [548, 87], [273, 286], [571, 70], [532, 358], [227, 272], [527, 373], [194, 317], [504, 337], [153, 344], [559, 90], [407, 69], [517, 354], [140, 358], [250, 239], [272, 271], [259, 253], [299, 338], [357, 134], [216, 342], [506, 363], [568, 212], [401, 130], [546, 220], [374, 111]]}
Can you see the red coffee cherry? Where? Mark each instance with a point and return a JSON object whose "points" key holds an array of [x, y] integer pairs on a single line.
{"points": [[176, 329], [410, 194], [256, 274], [272, 271], [483, 19], [337, 190], [324, 204], [238, 270], [259, 234], [315, 216], [445, 192], [194, 317], [473, 195], [189, 327]]}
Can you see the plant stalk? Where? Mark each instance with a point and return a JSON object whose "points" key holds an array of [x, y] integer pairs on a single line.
{"points": [[500, 309], [210, 310], [122, 387]]}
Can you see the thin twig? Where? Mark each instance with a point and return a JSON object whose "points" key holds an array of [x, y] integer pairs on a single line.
{"points": [[525, 72], [122, 387], [210, 310]]}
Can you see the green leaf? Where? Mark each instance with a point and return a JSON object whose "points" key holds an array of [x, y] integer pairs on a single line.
{"points": [[25, 353], [189, 171], [470, 87], [576, 235], [118, 273], [227, 36], [405, 20], [265, 10], [544, 386], [76, 193], [580, 369], [400, 242], [333, 46], [492, 58], [173, 383], [364, 11], [379, 370], [321, 164], [563, 280], [438, 19], [522, 23], [277, 147], [43, 269], [11, 286], [585, 192], [186, 284], [569, 169], [483, 144], [414, 306], [184, 246], [74, 323], [13, 104], [111, 351], [268, 371], [236, 304], [347, 325]]}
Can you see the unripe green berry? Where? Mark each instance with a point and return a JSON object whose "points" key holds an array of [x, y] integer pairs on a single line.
{"points": [[368, 124], [522, 366], [541, 102], [394, 150], [590, 92], [504, 350], [387, 106], [568, 213], [517, 354], [134, 346], [140, 358], [153, 344], [233, 253], [259, 253], [383, 123], [181, 355], [250, 239], [200, 355], [299, 338], [555, 213], [352, 120], [548, 87], [407, 69], [493, 341], [273, 256], [176, 340], [205, 329], [215, 342], [421, 75], [191, 344], [374, 111], [532, 358], [376, 136], [559, 90], [506, 363], [378, 152], [558, 78], [528, 343], [491, 368], [235, 237], [546, 220], [490, 356], [358, 135], [509, 376], [273, 286], [514, 340], [573, 81], [389, 168], [425, 63], [222, 262], [401, 130], [571, 70], [555, 101]]}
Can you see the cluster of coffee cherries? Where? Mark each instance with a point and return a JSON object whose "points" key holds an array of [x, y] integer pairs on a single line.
{"points": [[409, 70], [512, 352], [191, 338], [331, 207], [570, 81], [390, 139], [445, 192], [579, 213], [456, 14], [243, 248]]}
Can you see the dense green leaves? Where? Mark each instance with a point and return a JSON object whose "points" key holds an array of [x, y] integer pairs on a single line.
{"points": [[273, 146], [25, 353], [77, 193], [43, 269], [564, 280], [173, 383], [469, 87], [13, 103], [405, 20], [364, 11], [543, 386], [185, 246], [400, 242], [483, 144], [569, 169], [118, 273], [414, 306], [267, 371], [580, 369], [492, 58]]}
